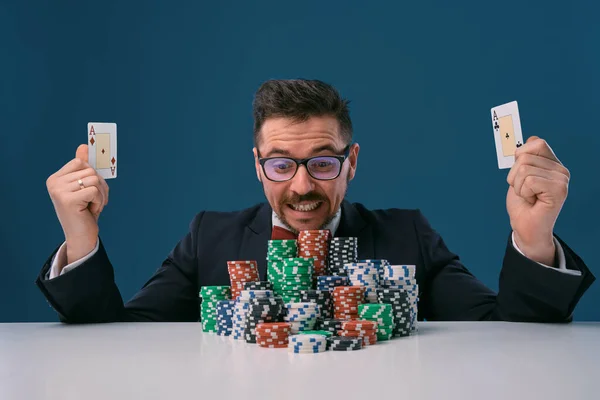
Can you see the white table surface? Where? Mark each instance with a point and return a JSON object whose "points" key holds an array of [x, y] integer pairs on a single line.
{"points": [[464, 360]]}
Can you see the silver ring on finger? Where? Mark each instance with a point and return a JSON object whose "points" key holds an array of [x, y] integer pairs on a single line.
{"points": [[81, 185]]}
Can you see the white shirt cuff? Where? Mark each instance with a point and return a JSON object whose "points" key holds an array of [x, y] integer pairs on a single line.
{"points": [[60, 258], [562, 263]]}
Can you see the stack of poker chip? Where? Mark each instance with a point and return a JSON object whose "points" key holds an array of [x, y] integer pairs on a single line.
{"points": [[260, 285], [225, 317], [342, 250], [210, 296], [302, 316], [307, 344], [297, 276], [273, 335], [382, 314], [346, 300], [327, 334], [366, 330], [344, 343], [330, 325], [322, 298], [241, 272], [315, 244], [241, 309], [364, 274], [277, 251], [262, 310], [403, 277], [331, 282], [401, 309], [380, 265]]}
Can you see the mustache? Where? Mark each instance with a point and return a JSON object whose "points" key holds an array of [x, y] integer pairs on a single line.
{"points": [[310, 196]]}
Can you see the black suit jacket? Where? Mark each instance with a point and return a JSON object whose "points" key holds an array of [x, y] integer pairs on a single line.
{"points": [[448, 291]]}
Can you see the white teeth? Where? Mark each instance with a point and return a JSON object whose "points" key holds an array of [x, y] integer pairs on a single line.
{"points": [[305, 207]]}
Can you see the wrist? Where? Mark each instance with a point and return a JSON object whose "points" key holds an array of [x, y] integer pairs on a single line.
{"points": [[79, 248], [541, 251]]}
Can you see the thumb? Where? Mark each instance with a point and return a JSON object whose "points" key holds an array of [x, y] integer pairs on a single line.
{"points": [[531, 139], [82, 152]]}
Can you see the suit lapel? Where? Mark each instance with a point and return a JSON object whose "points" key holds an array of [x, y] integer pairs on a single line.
{"points": [[255, 239], [353, 224]]}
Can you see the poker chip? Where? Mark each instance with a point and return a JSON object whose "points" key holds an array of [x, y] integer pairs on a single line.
{"points": [[302, 316], [382, 314], [262, 308], [346, 300], [331, 282], [314, 244], [341, 343], [365, 274], [317, 296], [342, 250], [308, 344], [225, 317], [241, 272], [403, 277], [272, 334], [329, 325], [277, 251], [210, 297], [263, 285], [320, 297], [401, 309]]}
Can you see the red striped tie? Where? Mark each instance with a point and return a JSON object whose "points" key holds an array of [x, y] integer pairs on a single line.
{"points": [[280, 233]]}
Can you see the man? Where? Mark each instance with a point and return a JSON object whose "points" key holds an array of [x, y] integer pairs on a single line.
{"points": [[305, 158]]}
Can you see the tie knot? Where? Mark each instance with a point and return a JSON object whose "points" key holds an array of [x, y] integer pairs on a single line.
{"points": [[280, 233]]}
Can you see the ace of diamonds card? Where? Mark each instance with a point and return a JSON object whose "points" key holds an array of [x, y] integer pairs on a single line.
{"points": [[102, 148]]}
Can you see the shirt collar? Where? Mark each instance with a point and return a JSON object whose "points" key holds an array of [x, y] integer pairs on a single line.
{"points": [[332, 226]]}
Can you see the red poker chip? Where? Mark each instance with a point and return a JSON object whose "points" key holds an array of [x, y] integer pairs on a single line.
{"points": [[369, 340], [361, 333], [359, 325], [272, 346], [344, 316]]}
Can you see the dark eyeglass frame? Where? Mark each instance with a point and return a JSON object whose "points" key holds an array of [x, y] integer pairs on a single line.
{"points": [[304, 161]]}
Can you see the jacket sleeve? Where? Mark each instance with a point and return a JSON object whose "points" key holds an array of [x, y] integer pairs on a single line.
{"points": [[88, 293], [528, 292]]}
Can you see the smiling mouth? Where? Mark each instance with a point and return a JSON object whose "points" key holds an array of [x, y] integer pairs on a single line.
{"points": [[305, 207]]}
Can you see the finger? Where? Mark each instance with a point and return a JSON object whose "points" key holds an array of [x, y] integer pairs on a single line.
{"points": [[68, 179], [536, 161], [90, 181], [89, 197], [82, 152], [538, 147], [75, 164], [527, 172]]}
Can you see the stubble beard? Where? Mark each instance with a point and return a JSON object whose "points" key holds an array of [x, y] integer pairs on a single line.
{"points": [[327, 220]]}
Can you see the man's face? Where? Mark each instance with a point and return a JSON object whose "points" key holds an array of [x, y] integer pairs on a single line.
{"points": [[304, 202]]}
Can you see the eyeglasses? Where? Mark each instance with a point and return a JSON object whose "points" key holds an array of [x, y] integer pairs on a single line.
{"points": [[324, 168]]}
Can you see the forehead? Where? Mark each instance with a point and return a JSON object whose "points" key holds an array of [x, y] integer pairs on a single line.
{"points": [[300, 137]]}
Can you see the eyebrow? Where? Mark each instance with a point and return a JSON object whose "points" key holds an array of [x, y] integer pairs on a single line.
{"points": [[282, 152]]}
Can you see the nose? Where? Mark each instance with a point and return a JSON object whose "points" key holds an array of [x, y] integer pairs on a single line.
{"points": [[302, 182]]}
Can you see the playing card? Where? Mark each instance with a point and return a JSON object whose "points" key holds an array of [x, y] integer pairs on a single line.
{"points": [[507, 133], [102, 148]]}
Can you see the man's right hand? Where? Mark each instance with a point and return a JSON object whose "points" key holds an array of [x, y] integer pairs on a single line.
{"points": [[77, 208]]}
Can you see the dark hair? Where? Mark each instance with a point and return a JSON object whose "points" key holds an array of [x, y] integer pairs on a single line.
{"points": [[300, 99]]}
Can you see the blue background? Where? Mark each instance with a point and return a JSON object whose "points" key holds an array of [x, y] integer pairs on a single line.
{"points": [[178, 78]]}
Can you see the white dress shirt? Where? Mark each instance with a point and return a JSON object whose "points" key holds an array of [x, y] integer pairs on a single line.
{"points": [[60, 257]]}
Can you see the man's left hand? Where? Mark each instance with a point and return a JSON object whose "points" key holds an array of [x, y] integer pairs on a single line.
{"points": [[539, 184]]}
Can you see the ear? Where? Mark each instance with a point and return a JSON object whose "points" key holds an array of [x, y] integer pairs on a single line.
{"points": [[257, 165], [353, 160]]}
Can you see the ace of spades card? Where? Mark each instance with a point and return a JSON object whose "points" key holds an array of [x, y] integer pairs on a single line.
{"points": [[102, 148]]}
